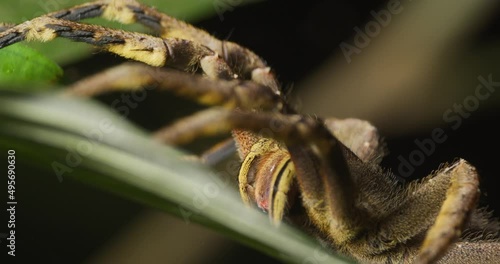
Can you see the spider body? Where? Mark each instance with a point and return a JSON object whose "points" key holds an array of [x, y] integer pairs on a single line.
{"points": [[322, 175]]}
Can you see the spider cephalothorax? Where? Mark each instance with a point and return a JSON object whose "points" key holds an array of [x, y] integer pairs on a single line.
{"points": [[320, 173]]}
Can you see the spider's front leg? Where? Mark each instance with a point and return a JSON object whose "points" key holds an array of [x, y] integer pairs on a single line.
{"points": [[179, 53], [245, 63], [214, 92], [226, 93]]}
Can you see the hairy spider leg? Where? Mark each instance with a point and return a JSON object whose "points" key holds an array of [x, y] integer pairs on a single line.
{"points": [[242, 61], [451, 209], [194, 126], [461, 199], [178, 53], [230, 94], [219, 92]]}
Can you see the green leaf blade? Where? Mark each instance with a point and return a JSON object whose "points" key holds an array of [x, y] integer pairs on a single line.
{"points": [[126, 161], [22, 64]]}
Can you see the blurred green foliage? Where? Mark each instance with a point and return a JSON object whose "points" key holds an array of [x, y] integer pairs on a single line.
{"points": [[20, 63]]}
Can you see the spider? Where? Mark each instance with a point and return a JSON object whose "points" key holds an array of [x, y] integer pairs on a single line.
{"points": [[320, 174]]}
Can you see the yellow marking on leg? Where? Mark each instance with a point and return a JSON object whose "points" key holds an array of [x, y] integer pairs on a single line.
{"points": [[210, 99], [36, 30], [149, 50], [118, 11]]}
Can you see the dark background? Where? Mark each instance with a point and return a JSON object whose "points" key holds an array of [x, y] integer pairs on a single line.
{"points": [[295, 38]]}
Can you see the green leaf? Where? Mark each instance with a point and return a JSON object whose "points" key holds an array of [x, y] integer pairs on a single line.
{"points": [[81, 140], [20, 63]]}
